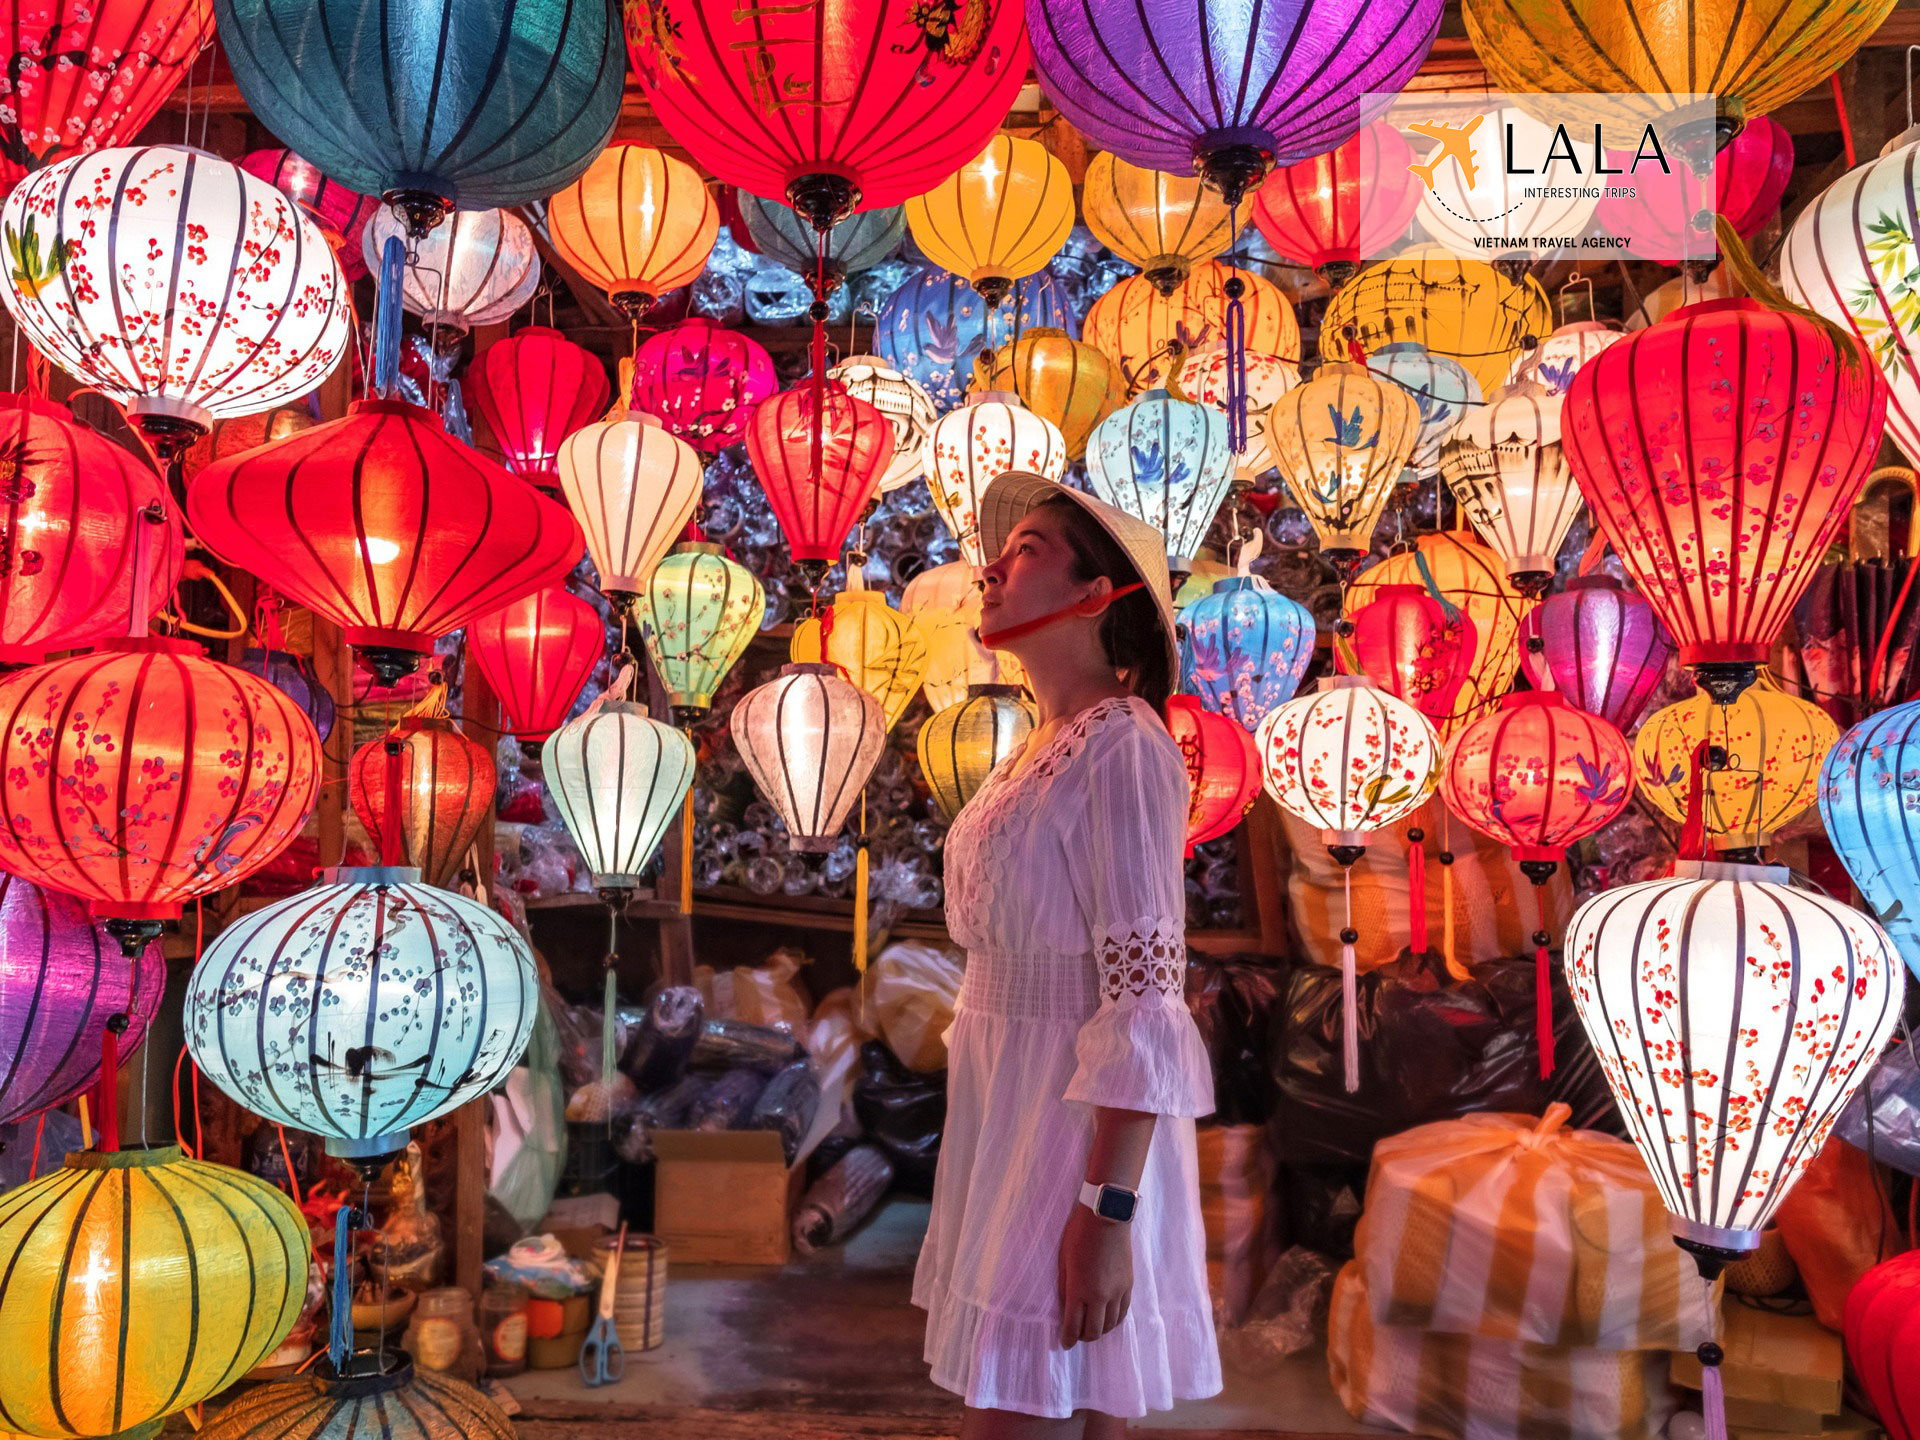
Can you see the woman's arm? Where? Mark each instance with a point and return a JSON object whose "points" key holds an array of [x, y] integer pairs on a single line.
{"points": [[1096, 1255]]}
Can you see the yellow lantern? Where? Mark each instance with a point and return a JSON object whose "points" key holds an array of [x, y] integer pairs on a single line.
{"points": [[1504, 464], [969, 447], [1772, 746], [1165, 224], [997, 219], [698, 611], [1067, 381], [1463, 309], [1149, 335], [944, 604], [960, 744], [638, 224], [1340, 442], [870, 642]]}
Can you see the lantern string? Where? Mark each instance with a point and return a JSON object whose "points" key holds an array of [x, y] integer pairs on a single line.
{"points": [[1740, 262], [192, 1152], [286, 1158], [1446, 895], [1236, 338], [686, 853], [609, 1003], [40, 1131], [1349, 992], [390, 837], [1542, 981], [1713, 1397], [1692, 844], [1846, 126]]}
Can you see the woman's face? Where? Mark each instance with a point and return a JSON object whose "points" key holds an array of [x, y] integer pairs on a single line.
{"points": [[1033, 574]]}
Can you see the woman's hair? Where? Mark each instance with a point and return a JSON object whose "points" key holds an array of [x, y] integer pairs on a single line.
{"points": [[1131, 629]]}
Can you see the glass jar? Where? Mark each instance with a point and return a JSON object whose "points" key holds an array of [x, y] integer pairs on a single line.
{"points": [[503, 1327], [443, 1337]]}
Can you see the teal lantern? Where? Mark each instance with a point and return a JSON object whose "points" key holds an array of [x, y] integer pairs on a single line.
{"points": [[1443, 388], [1164, 461], [857, 243], [1870, 801]]}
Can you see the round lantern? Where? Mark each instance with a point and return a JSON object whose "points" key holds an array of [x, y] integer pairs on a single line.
{"points": [[187, 777], [1164, 224], [999, 217], [1554, 362], [140, 1282], [857, 112], [537, 655], [1148, 335], [176, 237], [870, 643], [810, 738], [1869, 795], [1064, 380], [1339, 442], [438, 104], [534, 389], [819, 454], [1336, 209], [908, 408], [1721, 450], [1443, 389], [1348, 758], [340, 213], [944, 605], [386, 1396], [856, 243], [703, 382], [1669, 216], [934, 326], [1511, 216], [1223, 768], [698, 611], [445, 783], [1207, 378], [960, 744], [1414, 647], [969, 447], [1505, 467], [1244, 648], [361, 1007], [384, 525], [1166, 462], [633, 486], [1603, 648], [1881, 1325], [475, 269], [637, 224], [1216, 90], [618, 778], [293, 677], [1763, 764], [60, 984]]}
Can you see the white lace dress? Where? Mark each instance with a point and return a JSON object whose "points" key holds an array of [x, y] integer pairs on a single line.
{"points": [[1064, 884]]}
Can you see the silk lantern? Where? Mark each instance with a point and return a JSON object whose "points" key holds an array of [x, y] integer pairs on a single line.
{"points": [[361, 1007], [187, 777], [435, 105], [1340, 442], [384, 525], [1164, 224], [1244, 648], [637, 224], [1869, 798], [1669, 217], [1444, 391], [475, 269], [960, 745], [1216, 90], [869, 642], [703, 382], [1148, 335], [1506, 469], [431, 782], [908, 408], [934, 327], [1603, 647], [537, 655], [341, 214], [385, 1395], [819, 454], [810, 738], [1721, 450], [139, 1283], [1069, 382], [1334, 210], [998, 218], [1223, 768], [854, 244], [969, 447], [1488, 206], [1415, 647], [534, 389], [1880, 1326], [1554, 362], [698, 612], [1767, 770], [292, 675], [60, 984], [1207, 377], [175, 284], [1165, 461], [633, 486], [944, 604]]}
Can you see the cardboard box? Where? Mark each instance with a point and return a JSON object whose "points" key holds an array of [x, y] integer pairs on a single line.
{"points": [[1849, 1425], [1791, 1361], [724, 1197]]}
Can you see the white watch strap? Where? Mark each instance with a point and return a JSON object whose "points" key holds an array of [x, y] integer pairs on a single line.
{"points": [[1090, 1195]]}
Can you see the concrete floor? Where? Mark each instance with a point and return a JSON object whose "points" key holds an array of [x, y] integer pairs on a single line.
{"points": [[834, 1335]]}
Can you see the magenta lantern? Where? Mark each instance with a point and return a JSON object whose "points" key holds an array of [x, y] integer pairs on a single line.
{"points": [[702, 382], [1604, 648]]}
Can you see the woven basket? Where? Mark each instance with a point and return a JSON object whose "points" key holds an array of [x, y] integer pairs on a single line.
{"points": [[1767, 1271]]}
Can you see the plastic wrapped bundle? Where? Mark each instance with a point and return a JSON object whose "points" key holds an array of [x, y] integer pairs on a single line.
{"points": [[660, 1047], [734, 1044], [728, 1102], [668, 1109], [841, 1198], [788, 1105]]}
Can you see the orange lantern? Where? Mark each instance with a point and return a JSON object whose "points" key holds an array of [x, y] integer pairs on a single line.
{"points": [[1165, 224], [1148, 334], [638, 224], [1061, 379], [445, 784]]}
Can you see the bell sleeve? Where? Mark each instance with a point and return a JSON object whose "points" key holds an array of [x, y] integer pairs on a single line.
{"points": [[1141, 1050]]}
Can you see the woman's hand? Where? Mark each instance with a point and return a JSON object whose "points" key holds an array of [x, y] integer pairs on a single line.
{"points": [[1096, 1276]]}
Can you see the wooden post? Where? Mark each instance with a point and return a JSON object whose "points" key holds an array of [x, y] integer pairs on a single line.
{"points": [[1268, 896], [676, 930], [469, 1194]]}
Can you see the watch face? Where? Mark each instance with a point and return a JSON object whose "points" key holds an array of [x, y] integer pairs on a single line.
{"points": [[1115, 1203]]}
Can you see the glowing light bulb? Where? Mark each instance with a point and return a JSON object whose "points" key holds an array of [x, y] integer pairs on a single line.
{"points": [[381, 551]]}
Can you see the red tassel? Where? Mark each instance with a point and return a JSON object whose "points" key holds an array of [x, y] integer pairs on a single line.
{"points": [[390, 850], [1543, 1007], [1693, 830], [109, 1089], [1417, 890]]}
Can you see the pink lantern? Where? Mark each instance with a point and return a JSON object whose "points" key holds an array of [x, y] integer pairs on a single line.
{"points": [[340, 213], [1669, 216], [702, 382], [1602, 646]]}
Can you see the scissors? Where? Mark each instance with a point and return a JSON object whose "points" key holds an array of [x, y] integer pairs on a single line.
{"points": [[602, 1361]]}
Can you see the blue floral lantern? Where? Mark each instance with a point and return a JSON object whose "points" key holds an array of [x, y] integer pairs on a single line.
{"points": [[1167, 462], [1244, 648], [857, 243], [1444, 390], [933, 327], [1870, 801]]}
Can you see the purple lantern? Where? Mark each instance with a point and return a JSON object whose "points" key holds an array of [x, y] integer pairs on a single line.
{"points": [[293, 677], [61, 979], [1225, 88], [1603, 647]]}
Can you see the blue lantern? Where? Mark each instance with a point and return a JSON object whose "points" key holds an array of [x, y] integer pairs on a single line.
{"points": [[1870, 802], [1164, 461], [1244, 648], [479, 104], [294, 678], [857, 243], [1444, 390], [933, 326]]}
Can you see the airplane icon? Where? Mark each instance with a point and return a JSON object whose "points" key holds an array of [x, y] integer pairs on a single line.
{"points": [[1455, 140]]}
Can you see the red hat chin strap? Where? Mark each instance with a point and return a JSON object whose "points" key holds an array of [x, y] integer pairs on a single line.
{"points": [[1086, 609]]}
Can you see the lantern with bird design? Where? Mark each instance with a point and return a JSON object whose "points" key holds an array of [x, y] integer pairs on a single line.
{"points": [[1340, 442]]}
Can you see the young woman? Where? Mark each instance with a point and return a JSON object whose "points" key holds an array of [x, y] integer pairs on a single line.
{"points": [[1064, 1270]]}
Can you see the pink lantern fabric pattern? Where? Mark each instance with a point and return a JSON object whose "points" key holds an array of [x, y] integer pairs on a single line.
{"points": [[1538, 775], [702, 382]]}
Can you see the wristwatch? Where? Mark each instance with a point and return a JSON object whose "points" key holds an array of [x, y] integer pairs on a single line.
{"points": [[1109, 1202]]}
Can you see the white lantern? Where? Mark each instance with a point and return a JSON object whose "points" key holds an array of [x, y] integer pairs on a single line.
{"points": [[633, 485], [1505, 467], [1204, 378], [945, 604], [1554, 362], [175, 283], [1164, 461], [475, 268], [361, 1007], [1349, 758], [908, 408], [1516, 213], [810, 738], [970, 446]]}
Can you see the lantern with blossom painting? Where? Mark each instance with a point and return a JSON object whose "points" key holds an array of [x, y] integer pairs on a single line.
{"points": [[934, 327], [341, 214], [703, 382], [699, 612], [1669, 214], [1443, 389], [1554, 362], [1602, 647], [637, 224], [1335, 210], [1244, 648], [992, 433], [434, 784], [1165, 461], [537, 655], [534, 389], [1223, 768], [1413, 646], [1208, 377], [819, 454]]}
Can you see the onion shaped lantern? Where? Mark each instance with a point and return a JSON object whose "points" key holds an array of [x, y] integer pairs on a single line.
{"points": [[698, 611], [1413, 646], [1721, 450], [361, 1007], [127, 270], [944, 604], [1340, 442], [341, 214], [1505, 466], [819, 454], [1165, 461], [633, 486], [1869, 796], [1148, 334], [476, 269], [810, 738], [534, 389], [1208, 377], [379, 1395], [1482, 205], [960, 744], [1554, 362], [141, 1282], [1670, 215], [1603, 648], [934, 327], [1334, 210], [1879, 1328], [1244, 648], [703, 382], [436, 104], [969, 447], [1443, 389], [998, 218], [637, 224], [1163, 224], [870, 643], [1067, 381], [537, 655], [1223, 768], [854, 244], [908, 408], [431, 782]]}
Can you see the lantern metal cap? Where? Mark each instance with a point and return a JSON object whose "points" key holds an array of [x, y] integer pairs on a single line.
{"points": [[1693, 1233], [1727, 870], [370, 875], [1344, 682], [135, 1157], [368, 1373]]}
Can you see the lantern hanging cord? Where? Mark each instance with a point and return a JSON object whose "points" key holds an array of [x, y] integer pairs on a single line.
{"points": [[1236, 340], [1846, 126]]}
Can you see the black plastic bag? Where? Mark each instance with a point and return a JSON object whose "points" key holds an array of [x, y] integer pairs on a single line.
{"points": [[1234, 999], [728, 1102], [903, 1113], [788, 1105], [660, 1047]]}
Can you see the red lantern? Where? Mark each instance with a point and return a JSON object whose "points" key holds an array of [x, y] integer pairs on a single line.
{"points": [[340, 213], [1721, 450], [1223, 768], [144, 774], [1413, 646], [384, 525], [820, 462], [1669, 214], [1339, 209], [445, 782], [1882, 1327], [533, 390], [703, 382], [538, 654]]}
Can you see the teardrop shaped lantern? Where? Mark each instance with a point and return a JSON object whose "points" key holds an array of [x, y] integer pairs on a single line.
{"points": [[341, 214], [1444, 389], [854, 244], [870, 643], [1067, 381], [1721, 450], [633, 486], [819, 455], [385, 1395], [960, 744], [1137, 327], [534, 389], [288, 1017], [1414, 646], [1208, 378], [703, 382], [969, 447], [445, 782], [1866, 800], [998, 218], [1603, 647], [439, 104], [1336, 210], [384, 525], [934, 326], [537, 655], [698, 612], [244, 304], [810, 738], [475, 269], [1505, 466], [1166, 462], [908, 408], [637, 224], [1244, 648], [1554, 362], [944, 605], [1223, 768], [1164, 224]]}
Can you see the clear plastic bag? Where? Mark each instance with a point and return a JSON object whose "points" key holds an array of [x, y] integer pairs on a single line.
{"points": [[907, 998], [841, 1198], [1883, 1118], [660, 1047], [1288, 1314]]}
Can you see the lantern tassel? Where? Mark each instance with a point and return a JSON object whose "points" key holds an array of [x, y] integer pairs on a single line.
{"points": [[390, 847], [110, 1084], [340, 1326], [1693, 830], [387, 319], [1713, 1398], [1236, 328], [1542, 982], [1349, 996], [860, 893], [1740, 262], [686, 853], [1417, 890]]}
